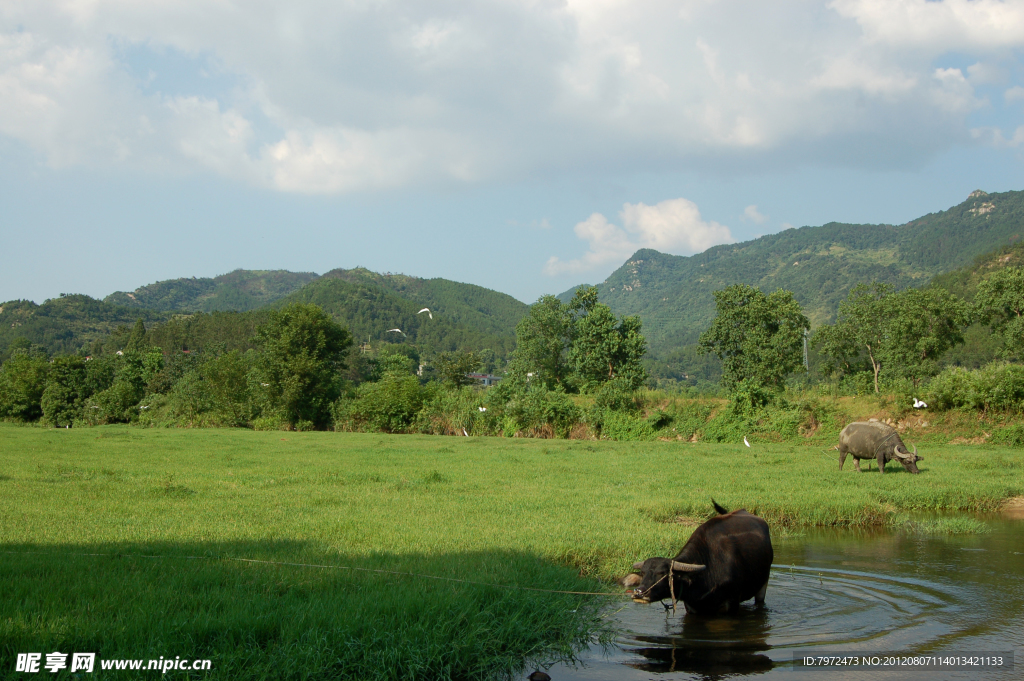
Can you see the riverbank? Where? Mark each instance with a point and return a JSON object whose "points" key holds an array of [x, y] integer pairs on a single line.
{"points": [[549, 514]]}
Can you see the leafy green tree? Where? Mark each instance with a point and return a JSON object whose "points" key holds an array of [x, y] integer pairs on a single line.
{"points": [[922, 325], [603, 348], [133, 370], [758, 337], [302, 355], [65, 392], [452, 368], [580, 345], [902, 335], [999, 303], [137, 340], [22, 381], [542, 340], [861, 326]]}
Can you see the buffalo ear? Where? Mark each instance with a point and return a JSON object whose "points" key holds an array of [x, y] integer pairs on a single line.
{"points": [[687, 567], [639, 565], [920, 458]]}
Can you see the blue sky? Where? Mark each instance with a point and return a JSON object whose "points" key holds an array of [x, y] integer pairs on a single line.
{"points": [[525, 146]]}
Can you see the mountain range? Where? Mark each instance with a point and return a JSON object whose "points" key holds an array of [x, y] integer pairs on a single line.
{"points": [[671, 294]]}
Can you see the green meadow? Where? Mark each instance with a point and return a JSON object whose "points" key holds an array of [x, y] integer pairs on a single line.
{"points": [[126, 542]]}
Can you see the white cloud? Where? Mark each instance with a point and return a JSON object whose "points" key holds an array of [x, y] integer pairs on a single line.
{"points": [[344, 97], [673, 226], [751, 213], [1014, 94]]}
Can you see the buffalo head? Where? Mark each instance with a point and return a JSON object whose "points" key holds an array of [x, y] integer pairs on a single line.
{"points": [[656, 574], [907, 458]]}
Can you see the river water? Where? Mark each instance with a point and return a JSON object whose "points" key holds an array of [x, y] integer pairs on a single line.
{"points": [[863, 593]]}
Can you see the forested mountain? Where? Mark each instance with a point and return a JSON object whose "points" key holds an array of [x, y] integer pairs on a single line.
{"points": [[66, 324], [673, 294], [239, 291], [466, 304], [369, 310]]}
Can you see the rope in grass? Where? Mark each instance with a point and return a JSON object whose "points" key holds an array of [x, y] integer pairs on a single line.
{"points": [[331, 567]]}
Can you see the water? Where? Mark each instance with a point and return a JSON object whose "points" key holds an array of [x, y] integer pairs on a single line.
{"points": [[838, 592]]}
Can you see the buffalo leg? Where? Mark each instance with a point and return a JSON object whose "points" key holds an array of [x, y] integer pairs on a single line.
{"points": [[856, 464], [759, 598], [842, 458], [881, 465]]}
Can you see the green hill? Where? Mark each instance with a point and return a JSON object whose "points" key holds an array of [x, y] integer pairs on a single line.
{"points": [[239, 291], [66, 324], [673, 294], [465, 304], [370, 310]]}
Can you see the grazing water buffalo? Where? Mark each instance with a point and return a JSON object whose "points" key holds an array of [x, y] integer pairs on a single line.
{"points": [[878, 441], [726, 561]]}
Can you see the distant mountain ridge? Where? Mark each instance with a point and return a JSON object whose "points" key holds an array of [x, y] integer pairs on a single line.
{"points": [[239, 291], [673, 294], [462, 316]]}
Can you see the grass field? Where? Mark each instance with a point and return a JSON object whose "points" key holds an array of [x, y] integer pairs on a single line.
{"points": [[167, 510]]}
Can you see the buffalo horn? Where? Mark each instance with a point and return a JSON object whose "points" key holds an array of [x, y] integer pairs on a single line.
{"points": [[687, 567], [919, 458], [639, 565]]}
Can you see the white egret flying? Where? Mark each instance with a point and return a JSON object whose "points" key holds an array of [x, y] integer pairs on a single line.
{"points": [[427, 310]]}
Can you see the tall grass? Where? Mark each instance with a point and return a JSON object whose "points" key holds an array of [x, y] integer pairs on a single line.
{"points": [[553, 514]]}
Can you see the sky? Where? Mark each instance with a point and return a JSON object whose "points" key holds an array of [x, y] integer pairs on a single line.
{"points": [[522, 145]]}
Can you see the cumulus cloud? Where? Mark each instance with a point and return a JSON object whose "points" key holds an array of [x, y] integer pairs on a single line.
{"points": [[751, 213], [344, 97], [673, 226]]}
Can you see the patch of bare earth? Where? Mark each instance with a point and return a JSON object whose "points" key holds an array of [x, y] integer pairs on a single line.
{"points": [[1013, 508], [980, 440]]}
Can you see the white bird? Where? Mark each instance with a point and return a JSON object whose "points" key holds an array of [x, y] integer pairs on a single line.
{"points": [[918, 404], [144, 407], [264, 384], [427, 310], [745, 441], [482, 408], [396, 330], [464, 432]]}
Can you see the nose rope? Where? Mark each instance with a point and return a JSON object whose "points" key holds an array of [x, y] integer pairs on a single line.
{"points": [[671, 586]]}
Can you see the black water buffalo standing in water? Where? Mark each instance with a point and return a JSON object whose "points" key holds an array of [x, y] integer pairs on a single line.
{"points": [[878, 441], [725, 562]]}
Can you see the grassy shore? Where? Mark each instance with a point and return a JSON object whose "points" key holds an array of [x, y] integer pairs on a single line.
{"points": [[534, 513]]}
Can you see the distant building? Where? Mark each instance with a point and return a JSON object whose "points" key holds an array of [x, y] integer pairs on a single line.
{"points": [[486, 380]]}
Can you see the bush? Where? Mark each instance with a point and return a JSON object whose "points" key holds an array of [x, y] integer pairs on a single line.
{"points": [[390, 405], [450, 411], [617, 425], [996, 386], [62, 400], [536, 411], [1012, 436], [22, 381]]}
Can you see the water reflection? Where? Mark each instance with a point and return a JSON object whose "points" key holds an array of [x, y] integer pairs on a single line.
{"points": [[710, 647], [837, 591]]}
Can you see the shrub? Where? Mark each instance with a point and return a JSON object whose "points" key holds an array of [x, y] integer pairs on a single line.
{"points": [[61, 402], [22, 381], [995, 386], [537, 411], [389, 405], [1012, 436], [450, 411]]}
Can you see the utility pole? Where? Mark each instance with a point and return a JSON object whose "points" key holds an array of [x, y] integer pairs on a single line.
{"points": [[806, 365]]}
